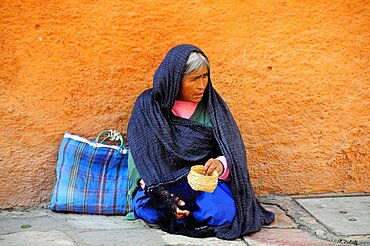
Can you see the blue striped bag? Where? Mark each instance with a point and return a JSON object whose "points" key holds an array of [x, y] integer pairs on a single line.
{"points": [[92, 176]]}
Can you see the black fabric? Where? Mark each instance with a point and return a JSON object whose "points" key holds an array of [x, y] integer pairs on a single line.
{"points": [[164, 146], [159, 195], [188, 227]]}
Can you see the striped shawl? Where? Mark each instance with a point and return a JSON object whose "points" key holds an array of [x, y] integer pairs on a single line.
{"points": [[164, 146]]}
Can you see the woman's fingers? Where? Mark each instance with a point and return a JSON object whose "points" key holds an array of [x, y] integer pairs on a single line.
{"points": [[209, 167], [181, 202], [212, 165], [180, 214]]}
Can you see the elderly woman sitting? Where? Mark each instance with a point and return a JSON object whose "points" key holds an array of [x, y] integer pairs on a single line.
{"points": [[181, 122]]}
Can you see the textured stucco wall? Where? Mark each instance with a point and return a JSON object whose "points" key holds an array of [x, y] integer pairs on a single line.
{"points": [[294, 73]]}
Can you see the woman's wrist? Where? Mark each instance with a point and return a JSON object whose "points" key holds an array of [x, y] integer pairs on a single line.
{"points": [[226, 170]]}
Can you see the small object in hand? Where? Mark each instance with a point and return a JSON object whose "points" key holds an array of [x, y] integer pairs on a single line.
{"points": [[201, 182]]}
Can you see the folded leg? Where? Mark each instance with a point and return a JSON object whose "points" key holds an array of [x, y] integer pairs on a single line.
{"points": [[216, 208]]}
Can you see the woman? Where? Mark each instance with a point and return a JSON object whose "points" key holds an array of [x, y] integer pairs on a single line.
{"points": [[182, 121]]}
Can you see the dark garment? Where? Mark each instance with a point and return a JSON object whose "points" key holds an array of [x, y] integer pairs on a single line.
{"points": [[200, 115], [165, 146]]}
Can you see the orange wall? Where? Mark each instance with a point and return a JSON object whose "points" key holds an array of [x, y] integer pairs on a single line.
{"points": [[294, 73]]}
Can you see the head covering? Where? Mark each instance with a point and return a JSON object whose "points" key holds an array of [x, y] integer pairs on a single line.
{"points": [[165, 146]]}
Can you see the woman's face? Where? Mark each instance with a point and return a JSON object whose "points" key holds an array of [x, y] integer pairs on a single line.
{"points": [[193, 85]]}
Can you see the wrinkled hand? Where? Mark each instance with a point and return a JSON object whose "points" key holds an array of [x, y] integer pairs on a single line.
{"points": [[180, 214], [213, 165]]}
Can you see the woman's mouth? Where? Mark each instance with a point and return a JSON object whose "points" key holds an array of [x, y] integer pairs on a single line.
{"points": [[198, 95]]}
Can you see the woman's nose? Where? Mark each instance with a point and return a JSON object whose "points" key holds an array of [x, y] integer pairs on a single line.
{"points": [[202, 83]]}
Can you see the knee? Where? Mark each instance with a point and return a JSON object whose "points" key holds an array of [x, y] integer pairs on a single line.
{"points": [[143, 210], [227, 211], [215, 209]]}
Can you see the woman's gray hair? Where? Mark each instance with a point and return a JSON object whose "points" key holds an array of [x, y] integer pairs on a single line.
{"points": [[195, 61]]}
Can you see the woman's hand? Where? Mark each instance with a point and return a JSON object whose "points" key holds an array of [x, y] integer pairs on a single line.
{"points": [[160, 195], [213, 165], [181, 213]]}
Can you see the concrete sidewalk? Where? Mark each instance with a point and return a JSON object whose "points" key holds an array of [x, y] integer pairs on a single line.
{"points": [[295, 225]]}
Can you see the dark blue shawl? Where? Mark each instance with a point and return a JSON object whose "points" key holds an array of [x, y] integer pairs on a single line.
{"points": [[164, 146]]}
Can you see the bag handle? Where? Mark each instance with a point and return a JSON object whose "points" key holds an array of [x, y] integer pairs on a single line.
{"points": [[111, 135]]}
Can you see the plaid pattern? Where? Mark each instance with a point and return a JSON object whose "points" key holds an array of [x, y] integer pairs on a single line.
{"points": [[91, 178]]}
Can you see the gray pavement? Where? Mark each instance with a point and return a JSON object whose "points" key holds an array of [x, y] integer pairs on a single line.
{"points": [[343, 215], [306, 220]]}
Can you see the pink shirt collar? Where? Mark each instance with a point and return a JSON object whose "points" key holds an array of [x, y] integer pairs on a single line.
{"points": [[184, 109]]}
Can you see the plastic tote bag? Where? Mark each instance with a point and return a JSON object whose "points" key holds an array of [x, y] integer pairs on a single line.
{"points": [[91, 176]]}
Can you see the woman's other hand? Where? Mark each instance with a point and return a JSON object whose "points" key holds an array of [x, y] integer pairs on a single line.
{"points": [[213, 165], [160, 195], [180, 214]]}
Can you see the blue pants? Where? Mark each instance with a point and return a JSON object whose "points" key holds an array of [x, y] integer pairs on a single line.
{"points": [[214, 209]]}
